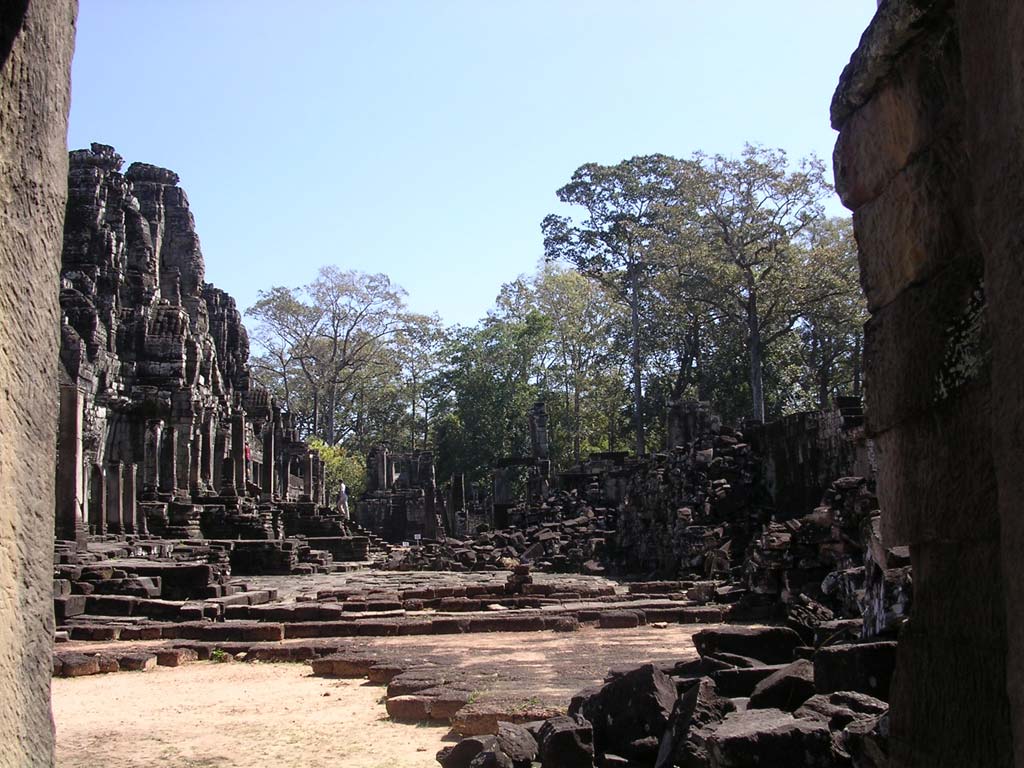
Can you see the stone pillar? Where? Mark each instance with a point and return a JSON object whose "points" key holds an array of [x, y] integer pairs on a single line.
{"points": [[992, 38], [238, 451], [929, 159], [227, 487], [220, 447], [129, 518], [318, 487], [195, 460], [168, 458], [151, 459], [269, 470], [115, 494], [36, 43], [71, 505], [307, 476], [183, 460], [206, 454], [97, 500], [286, 470]]}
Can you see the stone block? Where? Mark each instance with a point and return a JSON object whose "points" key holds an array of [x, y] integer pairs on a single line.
{"points": [[78, 665], [409, 708], [619, 620], [137, 662], [862, 667], [948, 700], [741, 682], [343, 665], [767, 737], [926, 481], [95, 632], [924, 346], [771, 645], [841, 708], [566, 742], [68, 605], [921, 100], [786, 689], [919, 224], [175, 657]]}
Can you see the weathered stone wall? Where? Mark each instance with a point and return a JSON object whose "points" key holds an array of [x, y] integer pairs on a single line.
{"points": [[930, 160], [803, 453], [36, 43]]}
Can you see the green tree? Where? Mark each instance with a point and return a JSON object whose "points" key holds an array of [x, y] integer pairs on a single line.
{"points": [[742, 219], [613, 241], [326, 340]]}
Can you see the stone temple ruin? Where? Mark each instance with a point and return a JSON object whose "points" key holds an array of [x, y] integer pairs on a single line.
{"points": [[162, 432], [186, 501], [864, 660]]}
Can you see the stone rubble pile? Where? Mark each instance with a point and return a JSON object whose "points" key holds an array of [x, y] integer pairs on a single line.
{"points": [[757, 696], [572, 539], [831, 565]]}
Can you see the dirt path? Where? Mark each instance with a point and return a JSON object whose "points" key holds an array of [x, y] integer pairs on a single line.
{"points": [[244, 714], [208, 715]]}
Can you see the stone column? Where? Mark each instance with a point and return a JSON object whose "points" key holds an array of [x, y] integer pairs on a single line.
{"points": [[129, 518], [115, 493], [97, 500], [141, 526], [183, 460], [318, 486], [36, 43], [268, 462], [151, 459], [307, 476], [168, 457], [220, 444], [206, 454], [286, 470], [238, 451], [227, 487], [70, 513], [195, 460]]}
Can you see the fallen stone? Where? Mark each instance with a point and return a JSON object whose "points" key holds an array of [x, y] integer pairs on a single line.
{"points": [[742, 682], [862, 667], [785, 689], [566, 742], [841, 708], [463, 753], [699, 708], [518, 743], [771, 645], [757, 738], [627, 711]]}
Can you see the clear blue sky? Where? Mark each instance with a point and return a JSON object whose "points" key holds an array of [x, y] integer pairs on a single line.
{"points": [[426, 139]]}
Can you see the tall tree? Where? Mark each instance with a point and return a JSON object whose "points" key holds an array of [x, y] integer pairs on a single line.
{"points": [[581, 319], [832, 330], [612, 242], [749, 213], [333, 332]]}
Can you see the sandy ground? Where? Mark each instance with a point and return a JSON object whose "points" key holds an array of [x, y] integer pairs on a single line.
{"points": [[242, 714], [205, 715]]}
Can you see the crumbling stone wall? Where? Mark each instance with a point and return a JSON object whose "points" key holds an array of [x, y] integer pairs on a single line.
{"points": [[930, 160], [36, 43], [801, 454]]}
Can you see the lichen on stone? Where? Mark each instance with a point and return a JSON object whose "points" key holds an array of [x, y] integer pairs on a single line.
{"points": [[967, 347]]}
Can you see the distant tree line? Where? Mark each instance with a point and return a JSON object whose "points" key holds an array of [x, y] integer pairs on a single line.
{"points": [[709, 277]]}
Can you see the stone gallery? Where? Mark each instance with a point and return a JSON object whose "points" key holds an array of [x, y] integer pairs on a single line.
{"points": [[836, 588]]}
